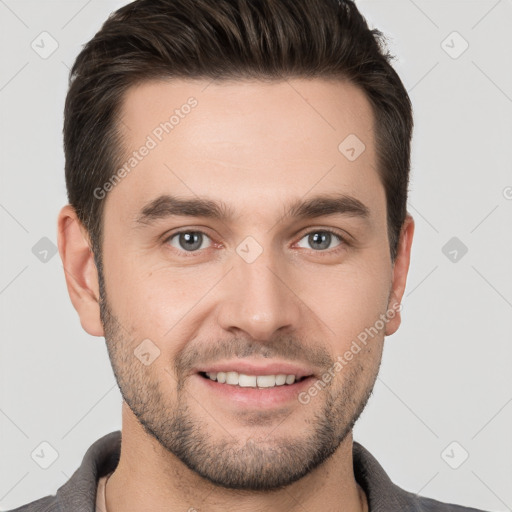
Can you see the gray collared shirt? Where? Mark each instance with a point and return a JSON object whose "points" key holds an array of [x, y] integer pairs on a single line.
{"points": [[78, 494]]}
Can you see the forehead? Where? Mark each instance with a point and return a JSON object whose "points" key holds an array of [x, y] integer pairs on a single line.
{"points": [[246, 142]]}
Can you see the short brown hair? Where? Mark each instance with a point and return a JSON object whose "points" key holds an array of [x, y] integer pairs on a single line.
{"points": [[227, 39]]}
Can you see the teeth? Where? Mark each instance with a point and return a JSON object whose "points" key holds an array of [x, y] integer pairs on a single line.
{"points": [[246, 381], [280, 380], [231, 378], [290, 379], [251, 381], [266, 381]]}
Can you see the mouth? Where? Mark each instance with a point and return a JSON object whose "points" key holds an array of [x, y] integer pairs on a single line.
{"points": [[242, 380], [253, 384], [252, 391]]}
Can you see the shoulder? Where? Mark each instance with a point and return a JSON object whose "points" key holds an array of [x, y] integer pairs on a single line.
{"points": [[47, 504], [385, 496], [423, 504], [79, 492]]}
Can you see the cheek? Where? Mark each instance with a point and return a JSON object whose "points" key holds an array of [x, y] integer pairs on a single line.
{"points": [[163, 304], [351, 300]]}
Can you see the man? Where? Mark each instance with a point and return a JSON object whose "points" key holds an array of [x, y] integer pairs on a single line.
{"points": [[237, 175]]}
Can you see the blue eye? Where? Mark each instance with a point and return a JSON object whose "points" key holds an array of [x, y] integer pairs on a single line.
{"points": [[189, 241], [320, 240]]}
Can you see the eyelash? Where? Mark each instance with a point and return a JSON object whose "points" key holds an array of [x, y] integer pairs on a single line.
{"points": [[343, 242]]}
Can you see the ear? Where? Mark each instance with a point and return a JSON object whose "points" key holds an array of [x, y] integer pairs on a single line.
{"points": [[400, 270], [79, 270]]}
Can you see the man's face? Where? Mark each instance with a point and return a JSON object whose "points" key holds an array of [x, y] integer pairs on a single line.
{"points": [[261, 291]]}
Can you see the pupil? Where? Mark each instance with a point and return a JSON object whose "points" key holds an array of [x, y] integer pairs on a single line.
{"points": [[191, 240], [319, 238]]}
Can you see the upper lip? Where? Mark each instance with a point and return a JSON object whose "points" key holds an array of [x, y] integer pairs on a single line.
{"points": [[253, 368]]}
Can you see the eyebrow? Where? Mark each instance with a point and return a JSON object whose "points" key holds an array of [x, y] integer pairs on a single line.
{"points": [[166, 206]]}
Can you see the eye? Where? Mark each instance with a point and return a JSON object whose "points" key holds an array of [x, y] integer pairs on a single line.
{"points": [[190, 241], [321, 239], [193, 241]]}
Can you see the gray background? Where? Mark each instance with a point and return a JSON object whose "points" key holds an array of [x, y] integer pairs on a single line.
{"points": [[445, 375]]}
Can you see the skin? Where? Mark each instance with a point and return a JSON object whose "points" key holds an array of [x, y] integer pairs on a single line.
{"points": [[257, 147]]}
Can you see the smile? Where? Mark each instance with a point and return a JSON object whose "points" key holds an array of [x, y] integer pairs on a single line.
{"points": [[251, 381]]}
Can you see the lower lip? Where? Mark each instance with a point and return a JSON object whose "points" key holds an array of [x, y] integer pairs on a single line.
{"points": [[257, 397]]}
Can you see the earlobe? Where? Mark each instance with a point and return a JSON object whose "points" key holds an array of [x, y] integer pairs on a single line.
{"points": [[79, 270], [400, 271]]}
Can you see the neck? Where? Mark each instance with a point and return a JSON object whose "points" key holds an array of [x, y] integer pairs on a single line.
{"points": [[148, 477]]}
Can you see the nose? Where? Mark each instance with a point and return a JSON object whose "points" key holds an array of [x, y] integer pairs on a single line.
{"points": [[259, 299]]}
